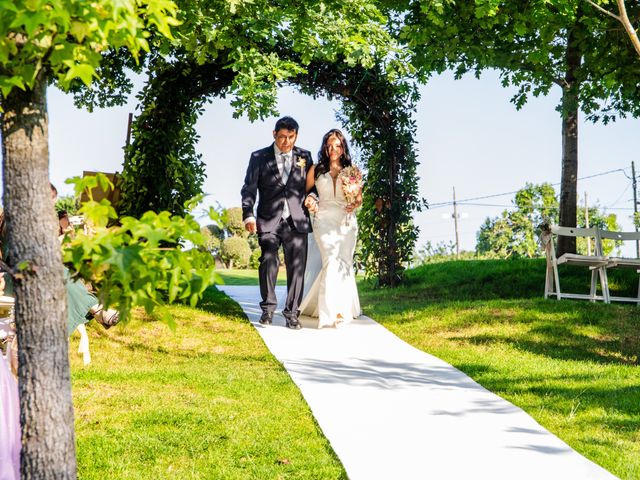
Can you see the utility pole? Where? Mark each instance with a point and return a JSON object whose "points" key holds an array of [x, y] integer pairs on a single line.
{"points": [[586, 222], [635, 205], [455, 222]]}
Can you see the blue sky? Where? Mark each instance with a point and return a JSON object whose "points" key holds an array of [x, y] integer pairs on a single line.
{"points": [[469, 136]]}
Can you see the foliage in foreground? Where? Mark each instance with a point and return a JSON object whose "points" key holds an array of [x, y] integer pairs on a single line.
{"points": [[572, 365], [208, 401], [140, 262]]}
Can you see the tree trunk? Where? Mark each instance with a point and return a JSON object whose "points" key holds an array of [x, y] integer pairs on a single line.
{"points": [[393, 276], [46, 409], [569, 181]]}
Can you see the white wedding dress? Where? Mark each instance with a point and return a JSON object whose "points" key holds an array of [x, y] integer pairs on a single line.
{"points": [[330, 284]]}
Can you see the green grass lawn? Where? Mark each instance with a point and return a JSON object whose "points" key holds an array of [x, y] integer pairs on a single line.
{"points": [[571, 364], [206, 402], [209, 401]]}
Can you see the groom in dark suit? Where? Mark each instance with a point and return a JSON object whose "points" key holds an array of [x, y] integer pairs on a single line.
{"points": [[278, 175]]}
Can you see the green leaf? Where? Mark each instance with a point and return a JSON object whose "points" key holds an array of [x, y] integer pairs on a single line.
{"points": [[8, 83], [31, 21], [84, 71], [80, 30]]}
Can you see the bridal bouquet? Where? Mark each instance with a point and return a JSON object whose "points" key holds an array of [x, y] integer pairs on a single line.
{"points": [[351, 179]]}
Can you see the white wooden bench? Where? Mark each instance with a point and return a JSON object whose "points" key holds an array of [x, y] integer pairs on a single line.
{"points": [[596, 263]]}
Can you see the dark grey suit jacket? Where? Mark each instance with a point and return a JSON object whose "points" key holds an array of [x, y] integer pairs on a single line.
{"points": [[263, 178]]}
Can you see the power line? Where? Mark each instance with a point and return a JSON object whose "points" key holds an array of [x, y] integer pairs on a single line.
{"points": [[621, 195], [445, 204]]}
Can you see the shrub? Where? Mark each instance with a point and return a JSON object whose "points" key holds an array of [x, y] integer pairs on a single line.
{"points": [[211, 242], [254, 261], [235, 251]]}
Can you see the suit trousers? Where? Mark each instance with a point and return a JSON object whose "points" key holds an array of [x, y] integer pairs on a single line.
{"points": [[294, 245]]}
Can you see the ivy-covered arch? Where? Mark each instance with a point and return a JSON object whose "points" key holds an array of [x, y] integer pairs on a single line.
{"points": [[162, 168], [377, 112]]}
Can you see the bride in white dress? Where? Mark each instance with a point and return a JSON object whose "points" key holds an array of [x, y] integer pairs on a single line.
{"points": [[332, 295]]}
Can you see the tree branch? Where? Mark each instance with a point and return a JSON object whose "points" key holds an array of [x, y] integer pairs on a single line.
{"points": [[624, 19], [593, 4]]}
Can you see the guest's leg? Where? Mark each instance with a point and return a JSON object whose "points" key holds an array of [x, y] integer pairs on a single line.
{"points": [[295, 259], [268, 270], [79, 302]]}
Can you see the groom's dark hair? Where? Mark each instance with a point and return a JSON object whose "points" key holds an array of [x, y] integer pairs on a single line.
{"points": [[286, 123]]}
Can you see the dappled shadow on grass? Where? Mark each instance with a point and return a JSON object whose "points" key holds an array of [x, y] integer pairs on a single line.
{"points": [[558, 342], [176, 351], [552, 330], [566, 390], [564, 330], [203, 333], [218, 302], [194, 343]]}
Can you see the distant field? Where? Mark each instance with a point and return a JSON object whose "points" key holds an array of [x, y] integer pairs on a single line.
{"points": [[246, 277], [250, 277]]}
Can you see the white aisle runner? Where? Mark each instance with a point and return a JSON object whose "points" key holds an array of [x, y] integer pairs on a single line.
{"points": [[393, 412]]}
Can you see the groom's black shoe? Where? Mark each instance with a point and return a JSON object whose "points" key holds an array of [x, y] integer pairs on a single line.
{"points": [[293, 323], [266, 318]]}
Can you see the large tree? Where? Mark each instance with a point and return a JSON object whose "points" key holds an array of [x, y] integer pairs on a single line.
{"points": [[536, 45], [44, 41]]}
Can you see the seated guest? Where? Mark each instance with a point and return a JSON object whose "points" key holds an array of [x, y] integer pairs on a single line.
{"points": [[82, 305]]}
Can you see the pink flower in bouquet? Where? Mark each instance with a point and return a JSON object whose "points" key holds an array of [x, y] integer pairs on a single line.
{"points": [[351, 178]]}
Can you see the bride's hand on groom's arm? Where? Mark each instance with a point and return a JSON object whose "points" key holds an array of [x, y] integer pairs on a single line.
{"points": [[311, 203]]}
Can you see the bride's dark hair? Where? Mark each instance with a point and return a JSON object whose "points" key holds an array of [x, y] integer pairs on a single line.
{"points": [[323, 155]]}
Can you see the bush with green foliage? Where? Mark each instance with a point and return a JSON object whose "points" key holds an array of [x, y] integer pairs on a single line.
{"points": [[254, 260], [231, 219], [211, 243], [230, 224], [235, 252], [69, 204], [140, 262]]}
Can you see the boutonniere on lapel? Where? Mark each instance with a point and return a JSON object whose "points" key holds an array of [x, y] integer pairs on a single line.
{"points": [[301, 163]]}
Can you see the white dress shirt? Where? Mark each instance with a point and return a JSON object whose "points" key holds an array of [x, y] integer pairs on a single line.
{"points": [[280, 162]]}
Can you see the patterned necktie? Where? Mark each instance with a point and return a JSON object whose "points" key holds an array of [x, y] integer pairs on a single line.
{"points": [[286, 169]]}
